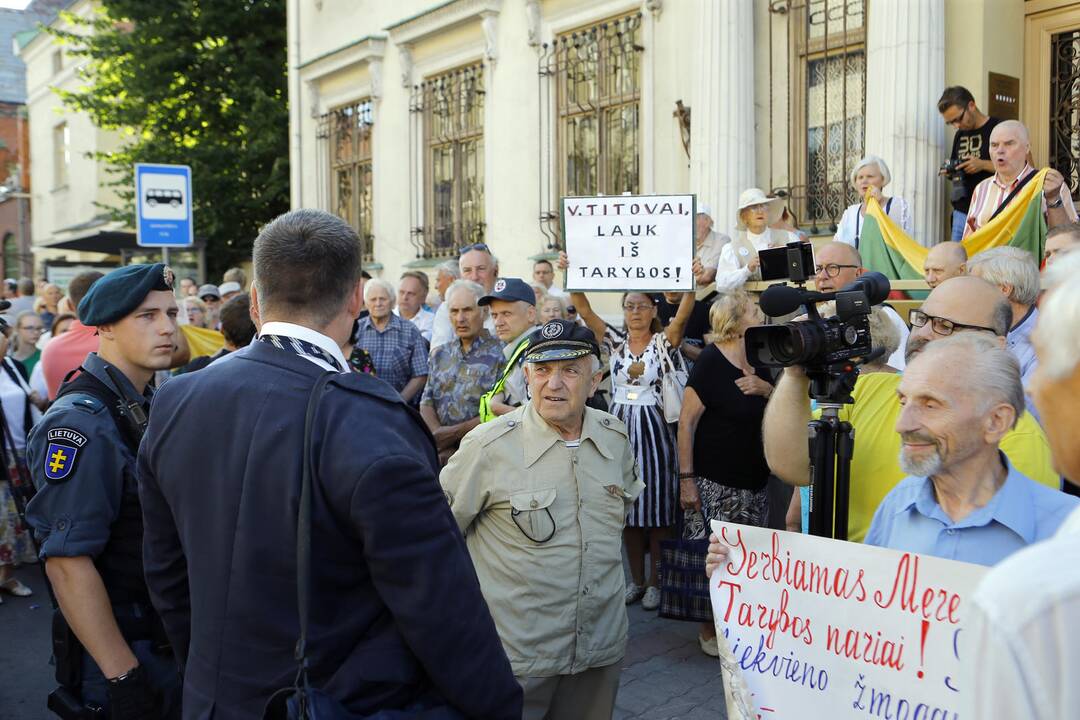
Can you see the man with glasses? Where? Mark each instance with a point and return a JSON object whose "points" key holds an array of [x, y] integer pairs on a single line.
{"points": [[477, 264], [971, 149], [963, 304], [541, 495], [837, 266]]}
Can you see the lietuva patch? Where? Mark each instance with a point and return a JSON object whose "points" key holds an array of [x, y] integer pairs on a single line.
{"points": [[63, 449]]}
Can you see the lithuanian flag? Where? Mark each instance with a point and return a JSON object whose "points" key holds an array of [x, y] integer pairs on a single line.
{"points": [[202, 341], [887, 249]]}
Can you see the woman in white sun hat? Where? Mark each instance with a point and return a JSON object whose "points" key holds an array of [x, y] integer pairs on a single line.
{"points": [[739, 259], [871, 173]]}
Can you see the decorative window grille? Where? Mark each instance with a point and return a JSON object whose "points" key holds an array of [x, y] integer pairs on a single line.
{"points": [[594, 76], [817, 104], [1065, 107], [447, 111], [347, 132]]}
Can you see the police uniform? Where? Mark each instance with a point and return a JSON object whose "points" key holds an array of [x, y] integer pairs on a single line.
{"points": [[511, 382], [81, 456], [543, 521]]}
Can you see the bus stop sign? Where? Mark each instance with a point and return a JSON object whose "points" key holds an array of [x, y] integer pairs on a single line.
{"points": [[163, 206]]}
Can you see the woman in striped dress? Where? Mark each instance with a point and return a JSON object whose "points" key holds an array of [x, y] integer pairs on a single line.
{"points": [[636, 397]]}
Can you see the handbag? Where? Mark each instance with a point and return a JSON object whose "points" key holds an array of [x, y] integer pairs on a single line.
{"points": [[302, 701], [673, 381], [684, 588]]}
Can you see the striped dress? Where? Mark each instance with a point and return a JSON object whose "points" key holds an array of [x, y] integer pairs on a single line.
{"points": [[651, 437]]}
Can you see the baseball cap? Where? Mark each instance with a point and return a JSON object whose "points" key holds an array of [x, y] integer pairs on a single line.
{"points": [[211, 290], [511, 290], [229, 287]]}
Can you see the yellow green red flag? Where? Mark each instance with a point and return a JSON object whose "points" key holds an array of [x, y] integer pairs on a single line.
{"points": [[889, 250]]}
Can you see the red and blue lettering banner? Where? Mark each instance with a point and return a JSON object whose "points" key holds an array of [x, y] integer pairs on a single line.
{"points": [[820, 629]]}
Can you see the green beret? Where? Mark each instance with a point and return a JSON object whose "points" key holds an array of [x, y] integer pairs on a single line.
{"points": [[119, 293]]}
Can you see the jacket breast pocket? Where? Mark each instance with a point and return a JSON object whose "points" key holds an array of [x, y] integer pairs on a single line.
{"points": [[531, 512]]}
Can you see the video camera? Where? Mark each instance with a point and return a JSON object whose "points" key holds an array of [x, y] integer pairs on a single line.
{"points": [[823, 347]]}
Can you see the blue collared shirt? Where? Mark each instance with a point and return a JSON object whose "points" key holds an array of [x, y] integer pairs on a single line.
{"points": [[1018, 341], [1020, 513]]}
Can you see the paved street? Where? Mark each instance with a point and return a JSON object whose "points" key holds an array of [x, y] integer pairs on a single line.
{"points": [[665, 674]]}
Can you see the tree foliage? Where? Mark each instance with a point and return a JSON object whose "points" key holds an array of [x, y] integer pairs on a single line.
{"points": [[194, 82]]}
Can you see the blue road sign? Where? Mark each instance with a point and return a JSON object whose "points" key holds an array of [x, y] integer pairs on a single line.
{"points": [[163, 206]]}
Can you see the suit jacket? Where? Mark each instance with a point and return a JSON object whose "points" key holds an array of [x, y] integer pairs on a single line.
{"points": [[396, 609]]}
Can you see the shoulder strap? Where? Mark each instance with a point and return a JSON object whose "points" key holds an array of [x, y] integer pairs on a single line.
{"points": [[16, 377], [1015, 191], [303, 528], [87, 384]]}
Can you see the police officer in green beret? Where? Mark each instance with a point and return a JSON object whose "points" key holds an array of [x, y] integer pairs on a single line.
{"points": [[111, 656]]}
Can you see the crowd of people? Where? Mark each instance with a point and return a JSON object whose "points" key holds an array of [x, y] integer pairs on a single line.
{"points": [[481, 452]]}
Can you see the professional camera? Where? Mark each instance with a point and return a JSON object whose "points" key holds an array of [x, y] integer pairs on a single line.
{"points": [[824, 347], [951, 169]]}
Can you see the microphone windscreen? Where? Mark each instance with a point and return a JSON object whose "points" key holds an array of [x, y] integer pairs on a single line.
{"points": [[780, 300], [874, 284]]}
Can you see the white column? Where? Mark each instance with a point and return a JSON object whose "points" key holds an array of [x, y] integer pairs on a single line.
{"points": [[905, 74], [722, 109]]}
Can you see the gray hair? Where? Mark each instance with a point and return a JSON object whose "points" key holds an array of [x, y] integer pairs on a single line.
{"points": [[1057, 334], [993, 373], [1009, 266], [451, 268], [1015, 126], [475, 288], [883, 334], [872, 160], [1072, 229], [380, 284], [307, 263]]}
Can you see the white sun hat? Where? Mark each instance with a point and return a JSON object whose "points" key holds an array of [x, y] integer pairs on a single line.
{"points": [[756, 196]]}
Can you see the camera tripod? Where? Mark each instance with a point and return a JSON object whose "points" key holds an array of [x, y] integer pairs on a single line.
{"points": [[832, 444]]}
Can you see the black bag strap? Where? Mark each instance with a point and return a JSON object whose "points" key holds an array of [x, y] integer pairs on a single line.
{"points": [[16, 377], [1015, 191], [303, 534], [87, 384]]}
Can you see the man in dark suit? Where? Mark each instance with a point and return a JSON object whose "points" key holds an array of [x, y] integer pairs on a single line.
{"points": [[397, 619]]}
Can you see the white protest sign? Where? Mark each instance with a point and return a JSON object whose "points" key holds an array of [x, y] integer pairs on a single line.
{"points": [[820, 629], [629, 242]]}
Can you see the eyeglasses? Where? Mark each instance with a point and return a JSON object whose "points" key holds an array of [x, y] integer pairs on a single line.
{"points": [[940, 325], [956, 120], [832, 269], [635, 307], [475, 246]]}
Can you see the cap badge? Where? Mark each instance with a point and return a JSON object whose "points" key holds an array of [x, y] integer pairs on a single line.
{"points": [[170, 276], [500, 285], [552, 330]]}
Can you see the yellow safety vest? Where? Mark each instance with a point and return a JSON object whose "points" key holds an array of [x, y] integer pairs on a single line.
{"points": [[486, 413]]}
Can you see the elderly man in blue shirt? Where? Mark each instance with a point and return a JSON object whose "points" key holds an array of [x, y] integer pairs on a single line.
{"points": [[963, 499], [1015, 273]]}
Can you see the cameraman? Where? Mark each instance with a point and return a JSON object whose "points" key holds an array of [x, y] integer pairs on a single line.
{"points": [[837, 266], [970, 149], [959, 304]]}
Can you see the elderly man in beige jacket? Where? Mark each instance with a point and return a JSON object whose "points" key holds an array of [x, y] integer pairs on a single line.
{"points": [[541, 495]]}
